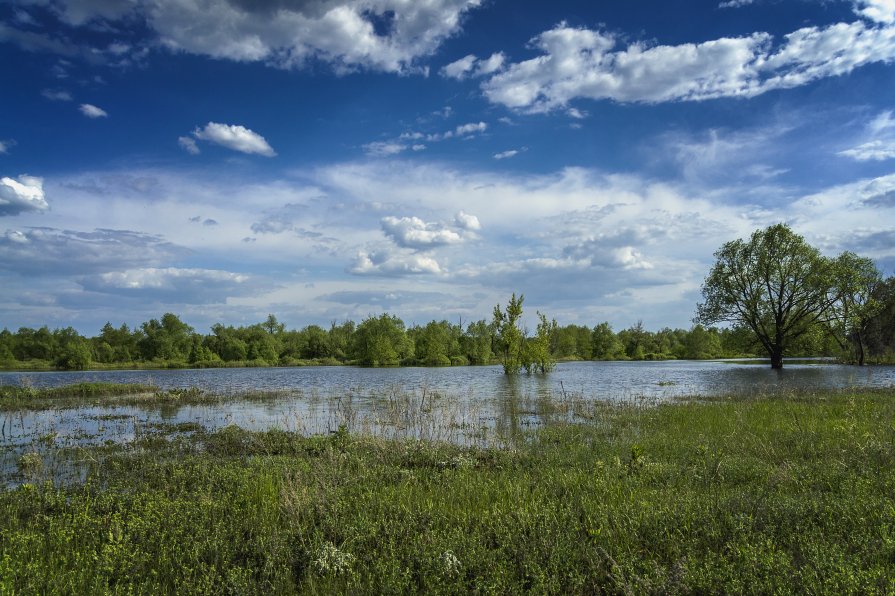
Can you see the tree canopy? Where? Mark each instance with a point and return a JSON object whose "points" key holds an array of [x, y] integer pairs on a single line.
{"points": [[780, 287]]}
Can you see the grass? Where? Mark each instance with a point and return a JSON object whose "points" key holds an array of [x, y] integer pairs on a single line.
{"points": [[14, 398], [769, 494]]}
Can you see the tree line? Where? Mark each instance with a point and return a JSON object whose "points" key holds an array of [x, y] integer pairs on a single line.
{"points": [[382, 340], [385, 340], [777, 295]]}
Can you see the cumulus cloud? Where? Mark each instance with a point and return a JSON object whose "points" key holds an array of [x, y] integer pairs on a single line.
{"points": [[412, 232], [467, 221], [49, 251], [384, 35], [584, 63], [506, 154], [470, 66], [5, 145], [171, 284], [91, 111], [391, 264], [459, 69], [604, 252], [881, 11], [470, 129], [20, 195], [235, 137]]}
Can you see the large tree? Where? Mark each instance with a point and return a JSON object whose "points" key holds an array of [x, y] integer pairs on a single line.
{"points": [[776, 284], [856, 281]]}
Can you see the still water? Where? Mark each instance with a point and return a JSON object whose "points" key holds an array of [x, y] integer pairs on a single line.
{"points": [[594, 380], [476, 405]]}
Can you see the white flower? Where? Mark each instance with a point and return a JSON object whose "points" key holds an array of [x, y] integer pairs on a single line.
{"points": [[330, 560], [450, 564]]}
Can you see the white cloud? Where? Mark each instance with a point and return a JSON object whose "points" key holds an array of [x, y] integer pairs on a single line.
{"points": [[235, 137], [881, 11], [384, 35], [5, 145], [399, 145], [735, 3], [506, 154], [878, 140], [24, 194], [467, 221], [872, 151], [91, 111], [583, 63], [470, 129], [189, 145], [412, 232], [491, 64], [56, 94], [387, 263], [471, 66], [459, 69], [384, 148], [341, 32]]}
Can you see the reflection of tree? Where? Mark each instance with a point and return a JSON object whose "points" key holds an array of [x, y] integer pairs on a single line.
{"points": [[520, 399]]}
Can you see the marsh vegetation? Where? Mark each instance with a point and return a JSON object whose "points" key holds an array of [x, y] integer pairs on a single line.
{"points": [[782, 493]]}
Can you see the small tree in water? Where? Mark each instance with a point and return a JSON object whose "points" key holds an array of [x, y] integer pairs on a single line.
{"points": [[536, 354], [510, 340], [514, 349]]}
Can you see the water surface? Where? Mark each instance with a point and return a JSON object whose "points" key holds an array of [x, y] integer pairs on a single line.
{"points": [[460, 404]]}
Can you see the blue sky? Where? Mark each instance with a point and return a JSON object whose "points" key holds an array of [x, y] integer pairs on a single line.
{"points": [[332, 159]]}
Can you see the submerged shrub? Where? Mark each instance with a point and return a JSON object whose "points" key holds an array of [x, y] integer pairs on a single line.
{"points": [[30, 464]]}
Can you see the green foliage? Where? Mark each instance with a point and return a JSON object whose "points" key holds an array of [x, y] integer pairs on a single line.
{"points": [[536, 354], [168, 339], [509, 338], [381, 341], [776, 284], [855, 280], [788, 494], [436, 343], [476, 342], [605, 344]]}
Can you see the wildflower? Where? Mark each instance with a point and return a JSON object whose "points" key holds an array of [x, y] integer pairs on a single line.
{"points": [[331, 561], [450, 564]]}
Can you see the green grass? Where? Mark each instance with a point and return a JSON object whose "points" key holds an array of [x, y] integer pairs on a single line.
{"points": [[13, 398], [16, 397], [772, 494]]}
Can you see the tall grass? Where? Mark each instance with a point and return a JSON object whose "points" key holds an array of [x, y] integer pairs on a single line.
{"points": [[771, 494]]}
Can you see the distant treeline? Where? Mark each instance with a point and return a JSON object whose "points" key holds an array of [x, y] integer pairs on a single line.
{"points": [[385, 340]]}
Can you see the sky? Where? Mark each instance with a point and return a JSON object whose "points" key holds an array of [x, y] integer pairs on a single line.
{"points": [[324, 160]]}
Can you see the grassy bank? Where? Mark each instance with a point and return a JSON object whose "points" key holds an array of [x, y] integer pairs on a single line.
{"points": [[14, 397], [777, 494], [78, 395]]}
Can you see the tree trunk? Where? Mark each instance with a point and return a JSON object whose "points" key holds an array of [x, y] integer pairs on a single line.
{"points": [[860, 343], [776, 358]]}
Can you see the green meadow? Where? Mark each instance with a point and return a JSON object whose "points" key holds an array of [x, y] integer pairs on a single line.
{"points": [[780, 493]]}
